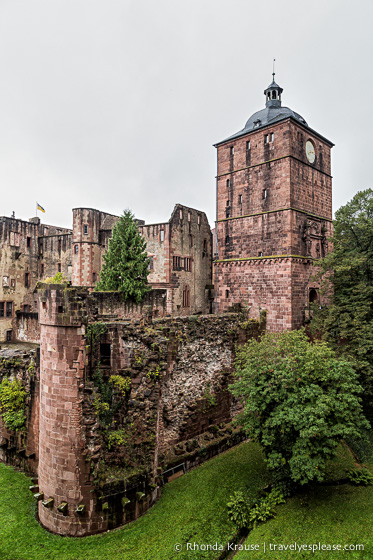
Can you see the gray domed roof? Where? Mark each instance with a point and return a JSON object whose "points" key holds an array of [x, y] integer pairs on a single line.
{"points": [[272, 113]]}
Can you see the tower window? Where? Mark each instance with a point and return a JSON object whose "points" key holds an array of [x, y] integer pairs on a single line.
{"points": [[240, 199], [228, 183], [228, 202], [260, 254], [232, 151], [85, 229], [189, 217], [264, 196], [58, 267], [227, 240], [272, 136], [161, 235], [266, 139], [181, 214], [27, 279], [248, 145], [76, 249], [274, 94], [41, 269], [151, 263], [28, 242], [226, 294]]}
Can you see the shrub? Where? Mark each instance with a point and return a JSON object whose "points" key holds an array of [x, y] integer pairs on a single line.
{"points": [[12, 404], [360, 477]]}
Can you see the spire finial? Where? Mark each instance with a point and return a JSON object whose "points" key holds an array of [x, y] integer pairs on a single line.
{"points": [[273, 73]]}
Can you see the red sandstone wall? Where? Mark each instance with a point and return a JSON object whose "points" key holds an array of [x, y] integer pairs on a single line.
{"points": [[63, 474], [272, 203]]}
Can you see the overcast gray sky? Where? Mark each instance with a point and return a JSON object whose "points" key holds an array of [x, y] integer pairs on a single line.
{"points": [[115, 104]]}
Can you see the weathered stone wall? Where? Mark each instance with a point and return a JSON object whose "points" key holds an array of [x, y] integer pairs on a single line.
{"points": [[29, 251], [122, 402], [26, 327], [21, 448]]}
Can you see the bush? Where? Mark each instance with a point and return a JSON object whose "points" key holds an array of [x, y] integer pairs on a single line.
{"points": [[360, 477], [12, 404]]}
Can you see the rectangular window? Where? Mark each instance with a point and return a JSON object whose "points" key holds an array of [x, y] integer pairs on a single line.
{"points": [[85, 229], [12, 282], [240, 199], [105, 354], [189, 217], [2, 306], [9, 308], [9, 336], [76, 249], [41, 269], [227, 294], [266, 140], [188, 264], [248, 145], [204, 252], [5, 281], [272, 136], [58, 267], [232, 151], [28, 242], [25, 308], [181, 214], [27, 279], [162, 235], [264, 195], [151, 263]]}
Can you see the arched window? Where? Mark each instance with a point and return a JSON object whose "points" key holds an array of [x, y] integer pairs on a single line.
{"points": [[186, 297], [313, 296]]}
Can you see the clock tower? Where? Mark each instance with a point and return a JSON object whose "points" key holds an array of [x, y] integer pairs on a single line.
{"points": [[274, 214]]}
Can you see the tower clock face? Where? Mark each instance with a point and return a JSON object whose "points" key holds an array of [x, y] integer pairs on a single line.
{"points": [[310, 151]]}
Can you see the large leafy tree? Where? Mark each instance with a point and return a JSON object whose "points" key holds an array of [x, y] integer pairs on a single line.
{"points": [[346, 322], [125, 267], [299, 402]]}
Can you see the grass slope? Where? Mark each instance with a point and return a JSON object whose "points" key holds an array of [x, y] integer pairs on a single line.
{"points": [[328, 515], [191, 509]]}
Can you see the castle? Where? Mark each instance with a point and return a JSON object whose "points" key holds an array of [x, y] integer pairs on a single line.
{"points": [[125, 396]]}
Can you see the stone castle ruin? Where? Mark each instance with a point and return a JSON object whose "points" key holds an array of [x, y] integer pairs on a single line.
{"points": [[120, 398]]}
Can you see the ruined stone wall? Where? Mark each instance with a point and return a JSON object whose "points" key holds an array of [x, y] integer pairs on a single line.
{"points": [[20, 448], [124, 401], [190, 261], [26, 327], [55, 255], [29, 251]]}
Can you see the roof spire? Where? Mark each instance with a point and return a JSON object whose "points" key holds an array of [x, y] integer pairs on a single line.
{"points": [[273, 73]]}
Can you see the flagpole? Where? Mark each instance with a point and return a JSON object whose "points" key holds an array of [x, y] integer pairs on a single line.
{"points": [[36, 209]]}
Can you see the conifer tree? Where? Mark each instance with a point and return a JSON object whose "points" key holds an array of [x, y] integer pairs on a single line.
{"points": [[126, 263]]}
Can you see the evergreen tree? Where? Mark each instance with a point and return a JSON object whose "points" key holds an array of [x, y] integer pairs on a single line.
{"points": [[347, 275], [126, 263]]}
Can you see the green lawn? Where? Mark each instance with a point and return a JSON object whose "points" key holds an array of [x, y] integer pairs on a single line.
{"points": [[191, 509], [329, 515]]}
